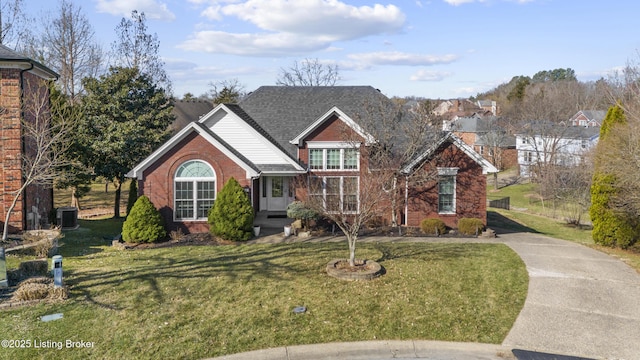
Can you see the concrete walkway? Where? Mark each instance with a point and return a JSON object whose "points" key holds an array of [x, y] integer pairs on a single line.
{"points": [[581, 304]]}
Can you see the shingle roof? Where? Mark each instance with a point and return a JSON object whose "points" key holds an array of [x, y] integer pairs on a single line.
{"points": [[227, 146], [8, 55], [249, 120], [551, 129], [285, 111], [187, 111]]}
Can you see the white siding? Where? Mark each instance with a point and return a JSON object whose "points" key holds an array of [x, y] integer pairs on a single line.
{"points": [[247, 141]]}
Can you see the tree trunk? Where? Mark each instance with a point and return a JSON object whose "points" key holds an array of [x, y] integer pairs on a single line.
{"points": [[394, 203], [75, 202], [5, 232], [116, 206], [352, 249], [495, 181]]}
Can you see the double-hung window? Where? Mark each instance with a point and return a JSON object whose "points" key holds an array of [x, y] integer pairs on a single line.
{"points": [[335, 193], [447, 190], [194, 190], [333, 158]]}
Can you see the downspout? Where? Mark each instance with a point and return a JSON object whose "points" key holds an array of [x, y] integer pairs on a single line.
{"points": [[406, 200], [22, 140], [23, 145]]}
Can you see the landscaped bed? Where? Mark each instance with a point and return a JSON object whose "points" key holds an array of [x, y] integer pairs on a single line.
{"points": [[203, 301]]}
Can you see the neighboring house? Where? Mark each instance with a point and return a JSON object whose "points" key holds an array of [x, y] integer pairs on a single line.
{"points": [[485, 135], [588, 118], [488, 105], [20, 79], [452, 109], [278, 134], [544, 143]]}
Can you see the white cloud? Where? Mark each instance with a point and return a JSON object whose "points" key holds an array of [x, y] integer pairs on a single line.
{"points": [[330, 18], [253, 44], [401, 58], [425, 75], [460, 2], [151, 8], [288, 29]]}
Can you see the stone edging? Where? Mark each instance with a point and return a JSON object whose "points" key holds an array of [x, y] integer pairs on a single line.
{"points": [[374, 270]]}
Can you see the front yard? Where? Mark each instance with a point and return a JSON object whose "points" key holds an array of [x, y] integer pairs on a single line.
{"points": [[203, 301]]}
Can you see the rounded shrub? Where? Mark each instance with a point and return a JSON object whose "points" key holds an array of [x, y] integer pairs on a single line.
{"points": [[470, 226], [433, 226], [144, 223], [299, 211], [231, 216]]}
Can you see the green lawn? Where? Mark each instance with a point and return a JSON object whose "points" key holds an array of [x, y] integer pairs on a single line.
{"points": [[202, 301], [524, 198]]}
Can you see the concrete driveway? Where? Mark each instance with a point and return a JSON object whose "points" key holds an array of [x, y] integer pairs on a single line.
{"points": [[581, 304]]}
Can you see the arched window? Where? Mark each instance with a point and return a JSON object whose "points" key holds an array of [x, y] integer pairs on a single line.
{"points": [[195, 190]]}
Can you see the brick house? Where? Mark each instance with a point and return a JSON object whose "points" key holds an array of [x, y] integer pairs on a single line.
{"points": [[487, 137], [278, 134], [20, 79], [588, 118]]}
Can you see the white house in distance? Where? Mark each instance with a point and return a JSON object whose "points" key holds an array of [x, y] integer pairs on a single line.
{"points": [[551, 143]]}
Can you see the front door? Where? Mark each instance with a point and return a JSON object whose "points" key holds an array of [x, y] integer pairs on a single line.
{"points": [[275, 193], [277, 190]]}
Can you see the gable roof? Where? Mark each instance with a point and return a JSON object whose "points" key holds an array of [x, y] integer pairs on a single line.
{"points": [[251, 169], [340, 114], [12, 59], [593, 115], [285, 112], [487, 167]]}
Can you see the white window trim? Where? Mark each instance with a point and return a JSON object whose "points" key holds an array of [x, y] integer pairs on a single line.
{"points": [[333, 145], [341, 194], [194, 181], [449, 172]]}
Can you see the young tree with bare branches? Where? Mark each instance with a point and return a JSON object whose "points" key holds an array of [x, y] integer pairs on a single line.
{"points": [[136, 48], [67, 42], [309, 72], [45, 143], [383, 145]]}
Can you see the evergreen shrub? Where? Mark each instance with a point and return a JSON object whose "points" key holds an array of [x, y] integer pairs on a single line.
{"points": [[231, 217], [133, 194], [433, 226], [470, 226], [144, 223]]}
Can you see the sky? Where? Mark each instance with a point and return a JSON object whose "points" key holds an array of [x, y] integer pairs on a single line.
{"points": [[438, 49]]}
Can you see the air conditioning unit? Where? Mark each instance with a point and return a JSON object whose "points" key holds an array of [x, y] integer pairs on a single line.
{"points": [[67, 218]]}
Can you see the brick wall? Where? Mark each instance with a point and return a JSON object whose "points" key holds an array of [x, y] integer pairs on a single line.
{"points": [[470, 190], [157, 182], [10, 143], [422, 201], [36, 198]]}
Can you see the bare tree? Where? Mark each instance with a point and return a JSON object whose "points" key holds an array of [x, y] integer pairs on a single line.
{"points": [[45, 143], [495, 140], [309, 72], [135, 48], [68, 44], [385, 145], [13, 23]]}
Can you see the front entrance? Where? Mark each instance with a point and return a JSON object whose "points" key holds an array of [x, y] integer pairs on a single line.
{"points": [[276, 193]]}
